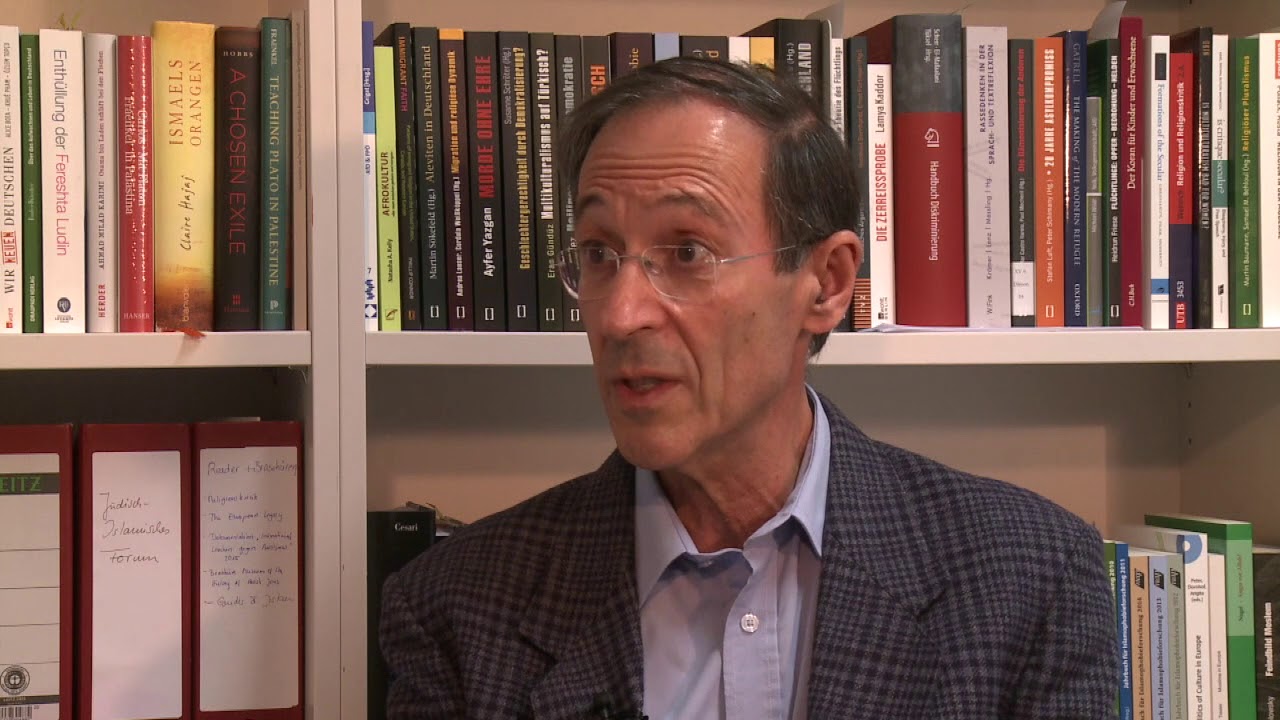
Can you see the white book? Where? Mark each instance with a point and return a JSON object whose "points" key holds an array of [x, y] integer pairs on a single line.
{"points": [[62, 165], [101, 175], [10, 183], [371, 314], [986, 140], [1221, 183], [1155, 187], [740, 49], [1268, 136], [1194, 548], [1221, 706], [880, 218]]}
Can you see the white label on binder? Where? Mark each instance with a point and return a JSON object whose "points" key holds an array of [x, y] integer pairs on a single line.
{"points": [[137, 530], [248, 587]]}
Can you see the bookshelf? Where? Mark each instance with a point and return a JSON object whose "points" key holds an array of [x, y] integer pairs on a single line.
{"points": [[170, 377], [1110, 423]]}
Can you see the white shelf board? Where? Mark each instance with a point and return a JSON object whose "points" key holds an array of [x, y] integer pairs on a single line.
{"points": [[154, 350], [1014, 347]]}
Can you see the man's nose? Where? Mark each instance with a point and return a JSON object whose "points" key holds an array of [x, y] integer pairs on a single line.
{"points": [[632, 303]]}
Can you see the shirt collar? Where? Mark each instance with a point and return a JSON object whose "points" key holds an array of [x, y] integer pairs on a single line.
{"points": [[661, 538]]}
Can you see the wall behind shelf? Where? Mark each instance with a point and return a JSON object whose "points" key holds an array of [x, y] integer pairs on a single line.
{"points": [[132, 17], [1104, 441]]}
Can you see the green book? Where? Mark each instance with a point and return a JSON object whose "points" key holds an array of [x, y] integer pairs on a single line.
{"points": [[1246, 308], [1233, 539], [32, 270], [276, 162], [388, 220]]}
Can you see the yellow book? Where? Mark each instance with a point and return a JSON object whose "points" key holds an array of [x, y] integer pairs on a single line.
{"points": [[762, 51], [183, 108]]}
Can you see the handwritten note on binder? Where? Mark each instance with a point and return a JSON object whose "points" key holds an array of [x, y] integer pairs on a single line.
{"points": [[137, 530], [249, 586]]}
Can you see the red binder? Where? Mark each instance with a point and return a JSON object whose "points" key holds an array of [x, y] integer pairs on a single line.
{"points": [[135, 552], [248, 480], [27, 477]]}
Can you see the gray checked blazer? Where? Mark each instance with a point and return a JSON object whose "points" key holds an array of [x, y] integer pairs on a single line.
{"points": [[942, 595]]}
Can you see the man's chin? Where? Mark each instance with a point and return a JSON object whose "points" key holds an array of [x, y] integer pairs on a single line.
{"points": [[652, 453]]}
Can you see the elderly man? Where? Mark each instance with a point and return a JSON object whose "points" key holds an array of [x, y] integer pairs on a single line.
{"points": [[746, 552]]}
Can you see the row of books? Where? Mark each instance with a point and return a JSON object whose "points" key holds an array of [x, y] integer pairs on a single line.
{"points": [[153, 182], [1195, 602], [1090, 178], [158, 556]]}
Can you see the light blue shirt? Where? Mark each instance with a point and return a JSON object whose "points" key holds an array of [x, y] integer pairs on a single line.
{"points": [[729, 634]]}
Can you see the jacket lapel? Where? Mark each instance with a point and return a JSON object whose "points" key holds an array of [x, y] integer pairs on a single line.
{"points": [[585, 616], [872, 653]]}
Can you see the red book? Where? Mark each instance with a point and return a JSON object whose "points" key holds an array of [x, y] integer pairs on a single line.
{"points": [[1133, 113], [37, 572], [137, 269], [249, 571], [927, 56], [135, 572], [1048, 139], [1183, 155]]}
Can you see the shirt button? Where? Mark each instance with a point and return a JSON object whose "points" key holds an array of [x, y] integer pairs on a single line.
{"points": [[750, 623]]}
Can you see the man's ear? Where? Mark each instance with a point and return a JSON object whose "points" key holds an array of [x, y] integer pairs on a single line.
{"points": [[834, 263]]}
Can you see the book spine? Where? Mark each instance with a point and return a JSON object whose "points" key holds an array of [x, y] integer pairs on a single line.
{"points": [[1104, 83], [1198, 43], [277, 81], [453, 99], [1093, 209], [569, 93], [929, 169], [1124, 620], [137, 263], [431, 214], [1075, 227], [300, 174], [1049, 183], [1022, 195], [987, 176], [398, 38], [1220, 182], [237, 213], [547, 239], [797, 43], [370, 134], [881, 220], [1179, 687], [631, 51], [388, 221], [1139, 626], [488, 261], [32, 201], [101, 186], [665, 45], [184, 186], [1160, 623], [711, 47], [63, 149], [517, 191], [855, 51], [1268, 146], [1181, 181], [1217, 666], [10, 182], [1244, 184], [1266, 603], [1242, 673], [833, 46], [1155, 196], [1132, 141]]}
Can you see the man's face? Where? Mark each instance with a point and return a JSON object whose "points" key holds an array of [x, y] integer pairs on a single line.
{"points": [[685, 383]]}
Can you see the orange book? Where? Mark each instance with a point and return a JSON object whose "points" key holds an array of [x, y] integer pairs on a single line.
{"points": [[1051, 187]]}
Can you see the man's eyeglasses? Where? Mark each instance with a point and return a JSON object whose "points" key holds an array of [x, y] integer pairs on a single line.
{"points": [[681, 272]]}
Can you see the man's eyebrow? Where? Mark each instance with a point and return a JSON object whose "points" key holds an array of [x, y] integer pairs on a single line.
{"points": [[673, 197]]}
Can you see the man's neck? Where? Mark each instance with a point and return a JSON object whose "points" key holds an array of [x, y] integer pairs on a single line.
{"points": [[727, 498]]}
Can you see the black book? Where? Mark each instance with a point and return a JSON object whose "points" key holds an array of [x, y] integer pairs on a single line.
{"points": [[431, 215], [1199, 42], [1022, 189], [710, 47], [237, 226], [487, 228], [569, 92], [542, 52], [394, 537], [517, 182]]}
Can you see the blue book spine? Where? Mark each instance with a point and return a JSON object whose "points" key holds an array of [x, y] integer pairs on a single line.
{"points": [[1123, 618], [1074, 47]]}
